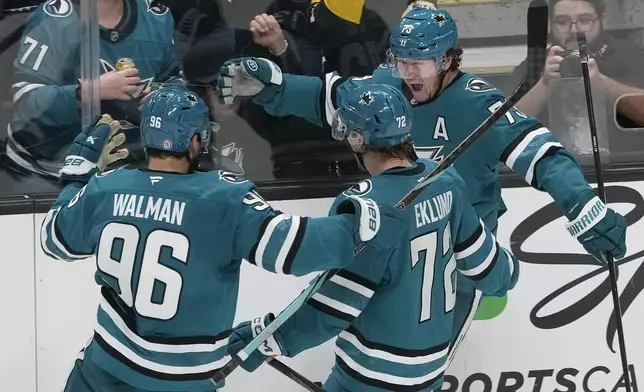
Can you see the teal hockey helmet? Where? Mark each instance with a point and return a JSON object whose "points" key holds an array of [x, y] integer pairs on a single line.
{"points": [[171, 116], [422, 34], [370, 114]]}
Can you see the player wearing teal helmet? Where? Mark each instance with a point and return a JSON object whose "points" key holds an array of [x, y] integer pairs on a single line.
{"points": [[169, 243], [448, 104], [414, 260]]}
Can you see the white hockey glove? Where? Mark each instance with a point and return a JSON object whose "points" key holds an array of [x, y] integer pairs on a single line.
{"points": [[247, 77], [93, 149], [367, 214]]}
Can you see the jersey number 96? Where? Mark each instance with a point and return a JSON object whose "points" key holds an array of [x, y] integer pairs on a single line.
{"points": [[117, 255]]}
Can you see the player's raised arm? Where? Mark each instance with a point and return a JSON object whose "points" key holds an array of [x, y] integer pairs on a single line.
{"points": [[43, 93], [297, 245], [533, 152], [280, 94], [479, 257], [65, 231]]}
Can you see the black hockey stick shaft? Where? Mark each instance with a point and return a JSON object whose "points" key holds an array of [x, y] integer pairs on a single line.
{"points": [[295, 376], [537, 42], [601, 193]]}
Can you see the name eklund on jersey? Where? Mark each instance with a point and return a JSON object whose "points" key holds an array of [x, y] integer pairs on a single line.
{"points": [[148, 207], [434, 209]]}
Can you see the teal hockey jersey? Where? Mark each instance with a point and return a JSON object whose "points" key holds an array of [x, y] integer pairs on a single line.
{"points": [[168, 251], [46, 116], [518, 141], [392, 308]]}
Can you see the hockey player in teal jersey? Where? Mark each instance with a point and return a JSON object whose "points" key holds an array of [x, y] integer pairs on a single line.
{"points": [[448, 104], [413, 260], [47, 69], [169, 243]]}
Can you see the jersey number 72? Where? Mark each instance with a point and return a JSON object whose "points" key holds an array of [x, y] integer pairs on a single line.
{"points": [[425, 248], [117, 255]]}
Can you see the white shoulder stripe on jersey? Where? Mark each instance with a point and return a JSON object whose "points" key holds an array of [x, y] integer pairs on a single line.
{"points": [[469, 251], [337, 305], [484, 265], [387, 356], [157, 367], [329, 109], [351, 285], [388, 378], [516, 153], [158, 347]]}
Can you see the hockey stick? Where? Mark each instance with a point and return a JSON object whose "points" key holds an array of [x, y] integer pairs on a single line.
{"points": [[612, 267], [295, 376], [281, 318], [535, 61]]}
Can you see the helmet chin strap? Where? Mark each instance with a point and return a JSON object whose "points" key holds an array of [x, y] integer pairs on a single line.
{"points": [[359, 157]]}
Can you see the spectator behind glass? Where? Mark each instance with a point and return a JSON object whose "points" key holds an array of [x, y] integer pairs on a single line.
{"points": [[299, 149], [354, 39], [46, 90], [616, 68]]}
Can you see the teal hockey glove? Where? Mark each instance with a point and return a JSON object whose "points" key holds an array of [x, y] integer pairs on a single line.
{"points": [[598, 228], [93, 149], [248, 77], [367, 213], [245, 332]]}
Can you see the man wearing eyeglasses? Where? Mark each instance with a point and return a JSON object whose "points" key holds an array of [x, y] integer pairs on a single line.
{"points": [[616, 68]]}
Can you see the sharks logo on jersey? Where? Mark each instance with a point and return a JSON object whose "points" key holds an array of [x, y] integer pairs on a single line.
{"points": [[476, 85], [156, 7], [142, 86], [359, 189], [231, 177], [433, 153], [58, 8]]}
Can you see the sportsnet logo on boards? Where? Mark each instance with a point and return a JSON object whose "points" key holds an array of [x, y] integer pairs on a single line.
{"points": [[557, 331]]}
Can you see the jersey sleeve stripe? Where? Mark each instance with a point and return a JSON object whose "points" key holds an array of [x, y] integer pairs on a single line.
{"points": [[353, 286], [512, 152], [545, 149], [362, 281], [331, 82], [490, 266], [394, 354], [265, 237], [262, 230], [23, 88], [337, 305], [471, 245], [297, 242], [50, 231], [331, 311], [398, 383], [480, 271], [510, 261], [287, 244]]}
